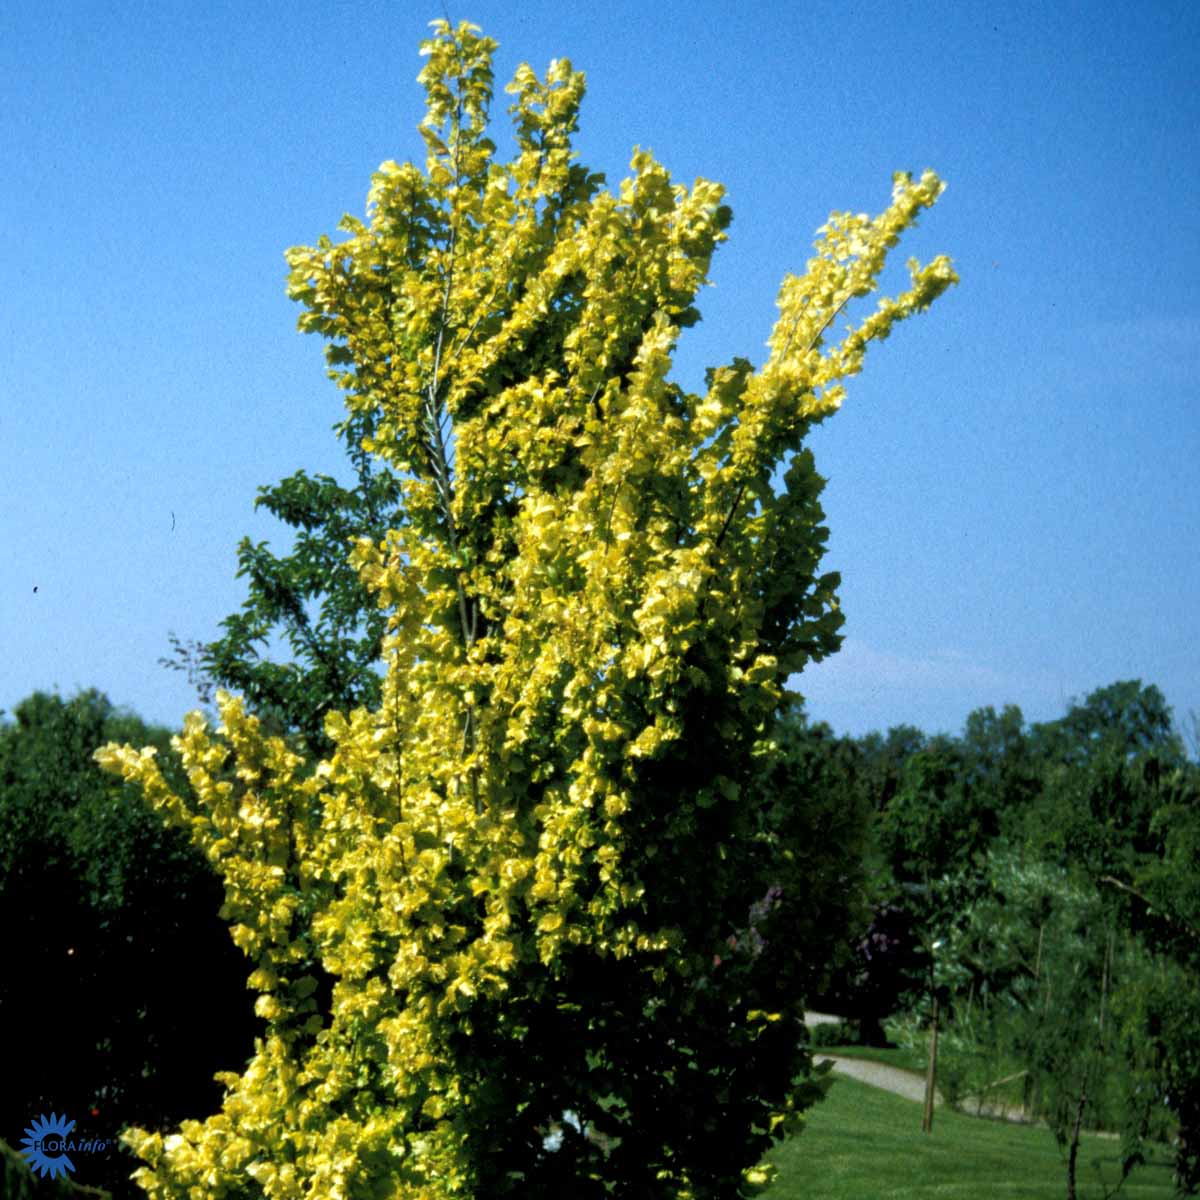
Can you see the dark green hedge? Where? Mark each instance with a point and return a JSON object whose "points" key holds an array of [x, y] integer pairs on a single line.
{"points": [[121, 993]]}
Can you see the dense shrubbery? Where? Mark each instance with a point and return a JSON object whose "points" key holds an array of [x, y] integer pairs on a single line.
{"points": [[1081, 907], [122, 993]]}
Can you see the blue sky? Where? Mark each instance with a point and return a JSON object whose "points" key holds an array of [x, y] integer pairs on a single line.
{"points": [[1012, 491]]}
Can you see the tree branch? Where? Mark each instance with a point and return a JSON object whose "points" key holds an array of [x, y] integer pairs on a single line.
{"points": [[1178, 922]]}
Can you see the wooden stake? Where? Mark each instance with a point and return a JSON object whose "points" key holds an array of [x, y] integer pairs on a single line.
{"points": [[931, 1074]]}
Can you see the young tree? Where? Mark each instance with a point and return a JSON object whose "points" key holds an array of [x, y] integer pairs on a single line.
{"points": [[519, 867], [1159, 887], [1068, 960], [1047, 977]]}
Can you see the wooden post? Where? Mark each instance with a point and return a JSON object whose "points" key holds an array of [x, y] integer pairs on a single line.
{"points": [[931, 1073]]}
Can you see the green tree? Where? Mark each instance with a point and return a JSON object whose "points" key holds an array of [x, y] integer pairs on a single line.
{"points": [[929, 828], [109, 922], [817, 803], [1059, 978], [1158, 883], [1191, 734], [518, 865], [1001, 770], [1124, 719], [885, 758], [932, 836], [1115, 815], [311, 598], [888, 961], [954, 797]]}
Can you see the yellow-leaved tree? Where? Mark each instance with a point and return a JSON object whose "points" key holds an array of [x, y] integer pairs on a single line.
{"points": [[509, 893]]}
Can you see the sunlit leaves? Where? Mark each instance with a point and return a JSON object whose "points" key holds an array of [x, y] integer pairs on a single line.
{"points": [[596, 593]]}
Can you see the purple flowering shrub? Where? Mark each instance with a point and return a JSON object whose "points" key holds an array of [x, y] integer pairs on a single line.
{"points": [[750, 941]]}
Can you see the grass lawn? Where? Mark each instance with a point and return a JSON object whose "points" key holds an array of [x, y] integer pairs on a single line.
{"points": [[866, 1144]]}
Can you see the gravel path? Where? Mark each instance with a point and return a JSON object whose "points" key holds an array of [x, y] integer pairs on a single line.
{"points": [[816, 1018], [909, 1084], [912, 1086], [892, 1079]]}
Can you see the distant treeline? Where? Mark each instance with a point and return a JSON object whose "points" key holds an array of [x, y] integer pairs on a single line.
{"points": [[124, 994]]}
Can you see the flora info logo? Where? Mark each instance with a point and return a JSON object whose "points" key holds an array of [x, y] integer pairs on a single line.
{"points": [[47, 1146]]}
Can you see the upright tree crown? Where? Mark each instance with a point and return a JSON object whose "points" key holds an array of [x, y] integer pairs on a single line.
{"points": [[518, 870]]}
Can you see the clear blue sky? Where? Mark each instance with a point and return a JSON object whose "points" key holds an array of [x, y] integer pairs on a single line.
{"points": [[1012, 490]]}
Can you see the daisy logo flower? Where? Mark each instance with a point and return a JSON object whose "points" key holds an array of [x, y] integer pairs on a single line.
{"points": [[44, 1146]]}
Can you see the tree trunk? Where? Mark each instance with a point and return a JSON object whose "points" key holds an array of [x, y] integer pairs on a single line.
{"points": [[1073, 1152], [931, 1074]]}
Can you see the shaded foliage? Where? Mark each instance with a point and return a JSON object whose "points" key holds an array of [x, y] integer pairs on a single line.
{"points": [[123, 993]]}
